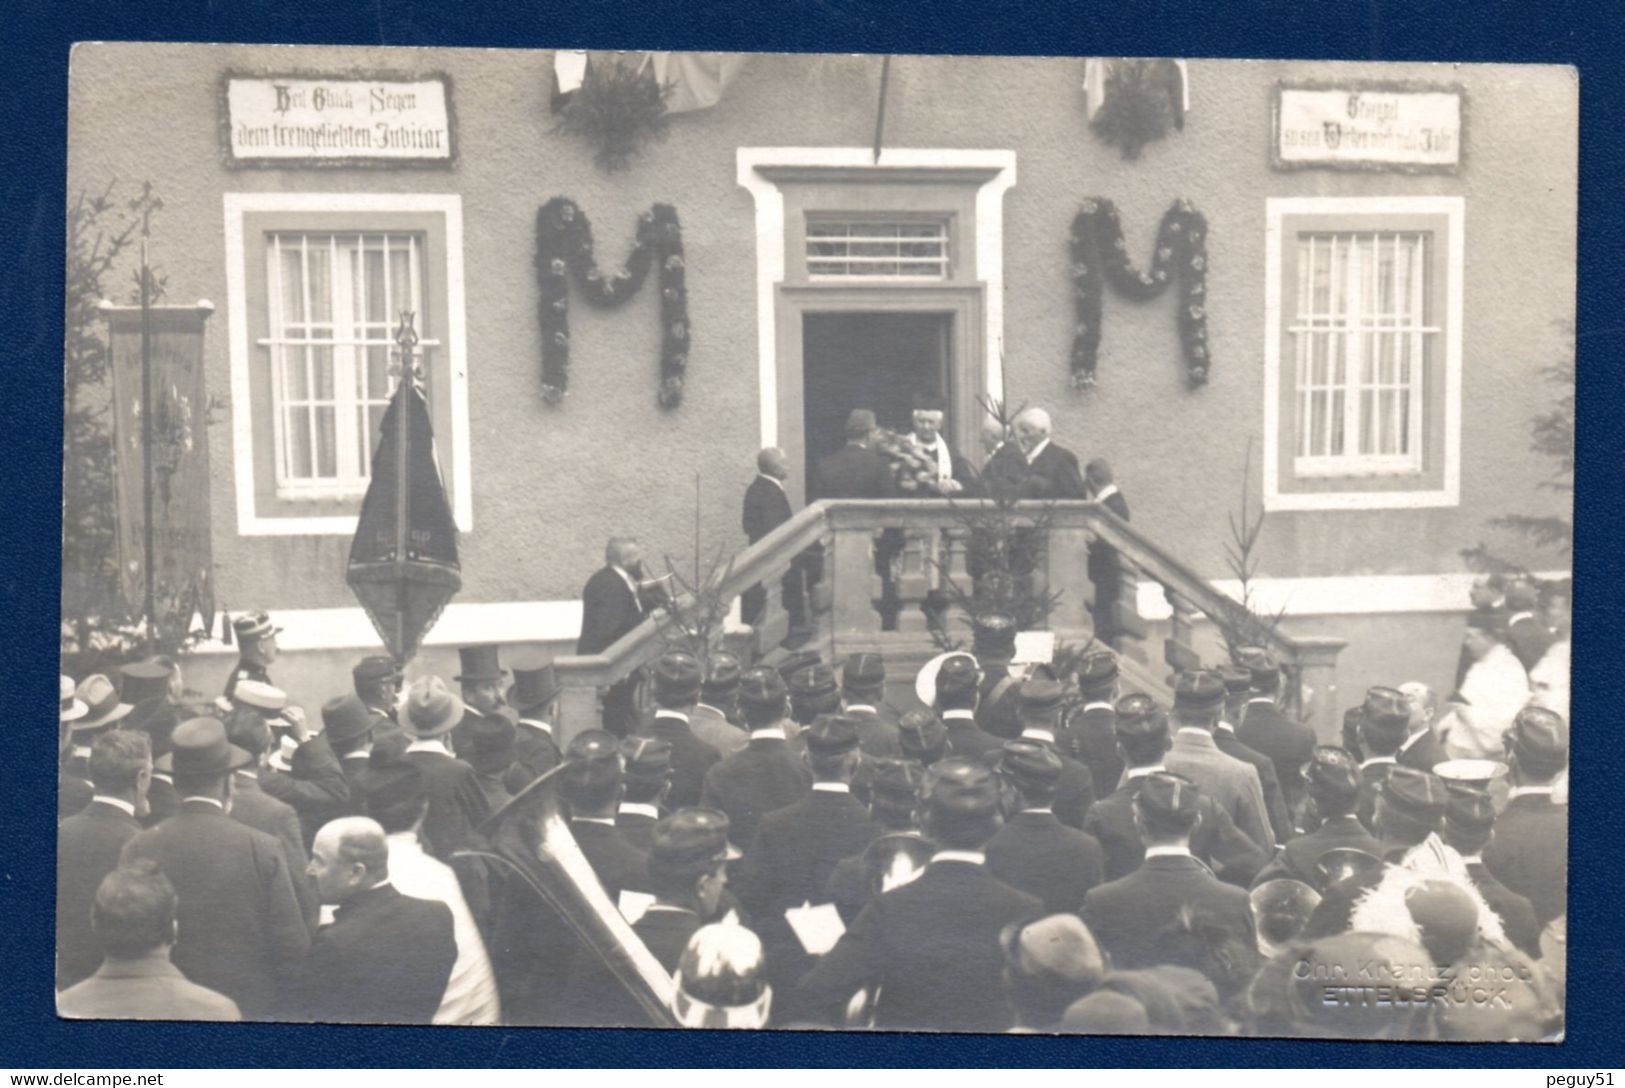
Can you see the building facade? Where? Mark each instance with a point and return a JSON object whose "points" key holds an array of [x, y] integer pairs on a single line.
{"points": [[1377, 337]]}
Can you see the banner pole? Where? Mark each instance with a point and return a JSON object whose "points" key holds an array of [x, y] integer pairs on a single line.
{"points": [[150, 603]]}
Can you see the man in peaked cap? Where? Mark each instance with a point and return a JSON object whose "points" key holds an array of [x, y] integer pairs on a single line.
{"points": [[377, 683], [714, 715], [1039, 698], [1233, 785], [1529, 853], [1410, 806], [1224, 737], [894, 805], [646, 781], [592, 786], [1090, 732], [256, 641], [1265, 729], [863, 689], [456, 803], [534, 698], [922, 737], [1142, 739], [768, 773], [814, 693], [958, 690], [1035, 852], [1469, 822], [677, 680], [1333, 786], [239, 927], [1384, 722], [932, 945], [796, 848], [1128, 916], [998, 706]]}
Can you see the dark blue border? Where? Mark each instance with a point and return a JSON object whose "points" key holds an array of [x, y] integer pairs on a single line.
{"points": [[33, 89]]}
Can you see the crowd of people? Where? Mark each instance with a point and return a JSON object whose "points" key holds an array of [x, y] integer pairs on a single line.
{"points": [[1036, 849]]}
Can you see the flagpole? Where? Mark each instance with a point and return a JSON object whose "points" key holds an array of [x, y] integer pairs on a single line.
{"points": [[404, 337], [880, 115], [151, 597]]}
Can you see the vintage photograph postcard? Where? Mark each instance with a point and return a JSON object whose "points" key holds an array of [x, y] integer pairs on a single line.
{"points": [[720, 540]]}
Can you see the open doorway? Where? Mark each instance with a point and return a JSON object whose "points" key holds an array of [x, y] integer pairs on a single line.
{"points": [[875, 360]]}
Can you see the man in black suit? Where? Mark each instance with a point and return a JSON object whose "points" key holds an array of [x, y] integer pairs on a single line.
{"points": [[1034, 852], [958, 681], [1332, 782], [377, 681], [677, 680], [1040, 704], [88, 844], [1105, 566], [857, 472], [1529, 853], [797, 847], [592, 786], [894, 802], [1130, 916], [1469, 823], [645, 782], [932, 946], [480, 681], [767, 506], [1421, 749], [613, 602], [768, 774], [256, 808], [348, 723], [1528, 637], [998, 703], [863, 696], [1237, 682], [240, 927], [1089, 733], [535, 699], [1051, 472], [387, 957], [310, 780], [1142, 738], [1384, 719], [1263, 727]]}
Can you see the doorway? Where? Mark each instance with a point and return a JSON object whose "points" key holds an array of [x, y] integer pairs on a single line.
{"points": [[875, 360]]}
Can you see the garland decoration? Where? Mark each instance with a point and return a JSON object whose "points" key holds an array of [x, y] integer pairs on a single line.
{"points": [[1142, 101], [618, 108], [1099, 255], [564, 250]]}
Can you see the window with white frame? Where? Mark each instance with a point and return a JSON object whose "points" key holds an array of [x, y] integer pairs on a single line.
{"points": [[334, 305], [1363, 355], [317, 283], [911, 249]]}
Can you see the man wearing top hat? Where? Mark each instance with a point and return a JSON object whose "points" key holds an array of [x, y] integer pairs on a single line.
{"points": [[1224, 735], [1233, 785], [456, 803], [1034, 851], [1384, 720], [768, 773], [647, 782], [958, 690], [88, 844], [1469, 824], [1530, 850], [534, 697], [1142, 738], [1265, 729], [257, 648], [1332, 781], [1039, 699], [377, 682], [714, 716], [480, 680], [1130, 916], [240, 930], [931, 946], [863, 694], [1090, 730], [677, 680]]}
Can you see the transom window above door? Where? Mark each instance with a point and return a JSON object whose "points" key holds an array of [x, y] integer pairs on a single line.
{"points": [[890, 249]]}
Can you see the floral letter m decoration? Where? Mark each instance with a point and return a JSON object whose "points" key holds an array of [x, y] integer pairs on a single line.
{"points": [[1100, 254], [564, 249]]}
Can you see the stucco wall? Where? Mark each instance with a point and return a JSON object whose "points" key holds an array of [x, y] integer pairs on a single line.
{"points": [[549, 485]]}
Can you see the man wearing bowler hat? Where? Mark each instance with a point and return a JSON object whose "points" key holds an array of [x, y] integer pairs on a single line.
{"points": [[1332, 781], [1265, 729], [769, 773], [256, 642], [1129, 916], [349, 725], [958, 685], [1142, 738], [377, 682], [1089, 732], [1039, 699], [931, 946], [1198, 699], [1529, 853], [1384, 721], [677, 680], [714, 716], [535, 699], [239, 928], [647, 781], [1034, 851]]}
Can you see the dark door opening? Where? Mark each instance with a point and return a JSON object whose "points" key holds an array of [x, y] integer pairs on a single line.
{"points": [[879, 361]]}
